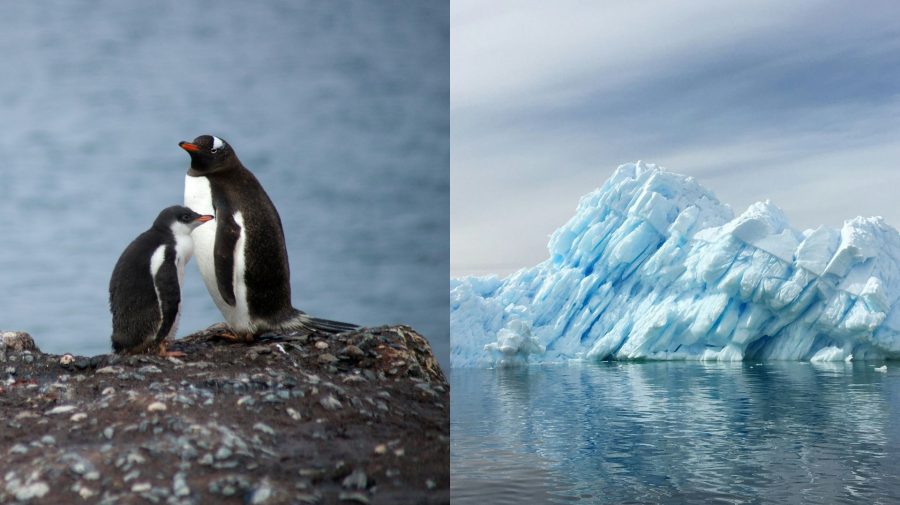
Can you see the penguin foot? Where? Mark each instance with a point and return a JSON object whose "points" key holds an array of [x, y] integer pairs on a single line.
{"points": [[233, 337], [165, 353]]}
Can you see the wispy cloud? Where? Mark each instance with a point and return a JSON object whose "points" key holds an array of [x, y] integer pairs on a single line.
{"points": [[798, 103]]}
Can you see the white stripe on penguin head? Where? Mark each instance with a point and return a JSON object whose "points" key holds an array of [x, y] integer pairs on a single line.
{"points": [[217, 143]]}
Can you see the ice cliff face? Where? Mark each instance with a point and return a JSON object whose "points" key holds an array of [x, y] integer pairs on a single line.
{"points": [[653, 266]]}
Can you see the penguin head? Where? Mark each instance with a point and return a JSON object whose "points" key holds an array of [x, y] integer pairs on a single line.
{"points": [[209, 154], [180, 220]]}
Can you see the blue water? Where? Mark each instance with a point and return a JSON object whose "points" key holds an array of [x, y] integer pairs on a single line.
{"points": [[675, 432], [340, 108]]}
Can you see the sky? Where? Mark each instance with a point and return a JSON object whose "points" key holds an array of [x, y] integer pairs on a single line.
{"points": [[795, 102]]}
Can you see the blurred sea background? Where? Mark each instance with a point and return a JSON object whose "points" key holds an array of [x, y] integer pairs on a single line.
{"points": [[340, 108]]}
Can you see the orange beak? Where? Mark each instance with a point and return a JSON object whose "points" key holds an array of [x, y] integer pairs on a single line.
{"points": [[187, 146], [204, 218]]}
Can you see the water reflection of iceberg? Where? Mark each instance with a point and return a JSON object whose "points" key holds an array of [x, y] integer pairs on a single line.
{"points": [[779, 432]]}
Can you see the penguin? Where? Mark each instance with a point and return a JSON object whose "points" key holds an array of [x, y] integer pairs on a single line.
{"points": [[145, 287], [242, 256]]}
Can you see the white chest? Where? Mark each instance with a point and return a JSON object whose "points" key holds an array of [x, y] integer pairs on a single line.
{"points": [[198, 195], [184, 249]]}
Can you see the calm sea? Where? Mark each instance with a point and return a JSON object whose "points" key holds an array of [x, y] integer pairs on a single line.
{"points": [[675, 432], [341, 109]]}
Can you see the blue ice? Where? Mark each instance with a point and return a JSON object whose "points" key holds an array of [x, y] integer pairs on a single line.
{"points": [[653, 266]]}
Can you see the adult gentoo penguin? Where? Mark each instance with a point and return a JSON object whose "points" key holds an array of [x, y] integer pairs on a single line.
{"points": [[145, 288], [242, 255]]}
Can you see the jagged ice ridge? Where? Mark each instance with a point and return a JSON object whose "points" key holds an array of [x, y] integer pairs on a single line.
{"points": [[653, 266]]}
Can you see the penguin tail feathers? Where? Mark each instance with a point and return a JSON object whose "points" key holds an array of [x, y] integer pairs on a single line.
{"points": [[304, 322]]}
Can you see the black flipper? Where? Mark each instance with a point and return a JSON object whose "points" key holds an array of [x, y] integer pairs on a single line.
{"points": [[227, 234], [169, 291]]}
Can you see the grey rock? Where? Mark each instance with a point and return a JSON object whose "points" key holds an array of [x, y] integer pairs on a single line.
{"points": [[309, 499], [48, 440], [223, 453], [265, 428], [262, 493], [17, 341], [354, 497], [78, 464], [108, 432], [356, 480], [330, 402], [327, 358], [34, 490], [179, 485], [149, 369], [60, 409]]}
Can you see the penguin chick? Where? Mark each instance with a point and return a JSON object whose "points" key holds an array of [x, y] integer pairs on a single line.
{"points": [[145, 287], [242, 256]]}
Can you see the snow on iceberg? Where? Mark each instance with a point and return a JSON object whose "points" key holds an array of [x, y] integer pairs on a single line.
{"points": [[653, 266]]}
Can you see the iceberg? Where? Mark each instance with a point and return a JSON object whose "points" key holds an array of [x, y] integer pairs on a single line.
{"points": [[653, 266]]}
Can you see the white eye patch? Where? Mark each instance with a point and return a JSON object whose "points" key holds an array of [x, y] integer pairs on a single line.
{"points": [[217, 143]]}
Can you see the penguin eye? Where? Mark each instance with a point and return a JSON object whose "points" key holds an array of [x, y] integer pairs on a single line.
{"points": [[185, 218], [214, 151]]}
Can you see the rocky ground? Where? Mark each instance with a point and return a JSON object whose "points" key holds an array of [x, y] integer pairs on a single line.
{"points": [[355, 418]]}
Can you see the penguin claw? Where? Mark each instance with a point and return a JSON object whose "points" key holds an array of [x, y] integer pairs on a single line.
{"points": [[232, 337], [165, 353]]}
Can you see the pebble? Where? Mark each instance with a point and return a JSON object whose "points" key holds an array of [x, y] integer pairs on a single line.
{"points": [[80, 416], [353, 351], [355, 497], [141, 487], [61, 409], [265, 428], [223, 453], [156, 407], [108, 432], [294, 414], [179, 485], [111, 370], [48, 440], [356, 480], [261, 494], [330, 403], [380, 449], [321, 345], [327, 358], [34, 490], [66, 359], [149, 369], [18, 449]]}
